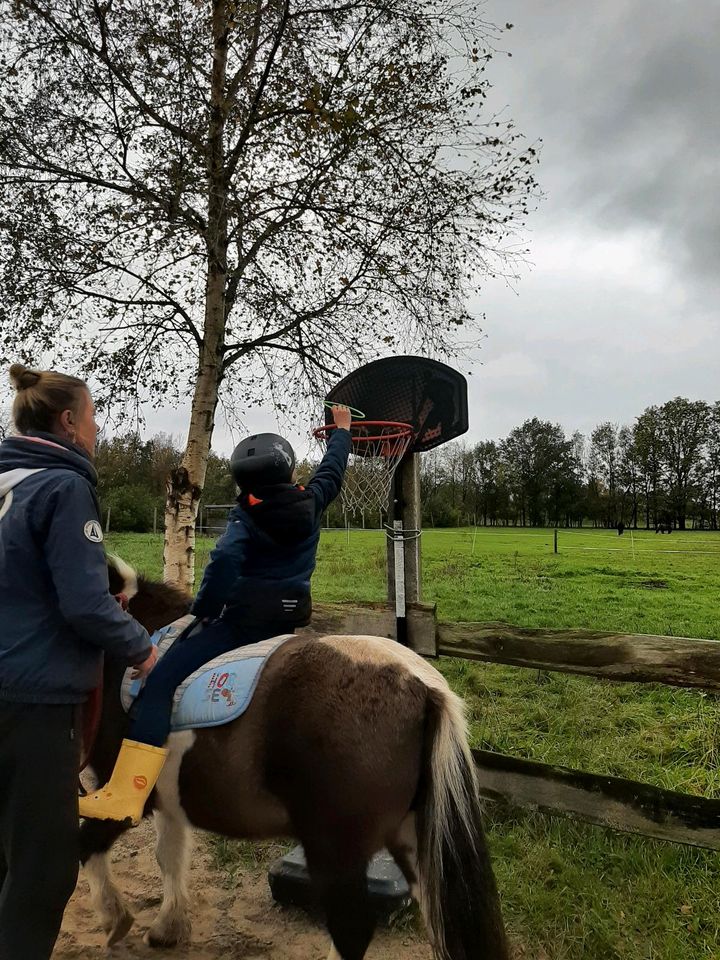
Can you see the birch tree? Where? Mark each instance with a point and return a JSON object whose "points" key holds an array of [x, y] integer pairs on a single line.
{"points": [[5, 423], [234, 201]]}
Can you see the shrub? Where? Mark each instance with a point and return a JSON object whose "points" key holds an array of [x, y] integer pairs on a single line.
{"points": [[131, 508]]}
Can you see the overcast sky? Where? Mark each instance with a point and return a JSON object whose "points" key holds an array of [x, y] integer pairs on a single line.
{"points": [[619, 308]]}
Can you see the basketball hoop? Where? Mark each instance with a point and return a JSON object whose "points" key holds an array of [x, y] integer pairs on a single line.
{"points": [[378, 447]]}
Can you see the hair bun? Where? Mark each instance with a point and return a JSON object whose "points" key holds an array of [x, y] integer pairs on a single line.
{"points": [[22, 378]]}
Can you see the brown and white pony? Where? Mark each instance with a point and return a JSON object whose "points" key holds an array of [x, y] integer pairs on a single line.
{"points": [[351, 744]]}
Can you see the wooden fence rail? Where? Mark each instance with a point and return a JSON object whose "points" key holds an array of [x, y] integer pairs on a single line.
{"points": [[634, 658], [606, 801], [637, 658]]}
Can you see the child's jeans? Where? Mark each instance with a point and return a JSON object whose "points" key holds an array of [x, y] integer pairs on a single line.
{"points": [[154, 707]]}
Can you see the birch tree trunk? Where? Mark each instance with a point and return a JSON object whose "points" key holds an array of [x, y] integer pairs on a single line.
{"points": [[185, 484]]}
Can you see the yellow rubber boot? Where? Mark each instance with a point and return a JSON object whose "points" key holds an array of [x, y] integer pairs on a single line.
{"points": [[136, 771]]}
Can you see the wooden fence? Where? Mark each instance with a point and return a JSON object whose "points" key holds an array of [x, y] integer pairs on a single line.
{"points": [[608, 801]]}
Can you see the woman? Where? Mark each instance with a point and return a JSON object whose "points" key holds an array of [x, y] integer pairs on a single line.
{"points": [[57, 618]]}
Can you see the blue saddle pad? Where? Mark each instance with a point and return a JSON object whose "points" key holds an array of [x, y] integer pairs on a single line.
{"points": [[219, 691]]}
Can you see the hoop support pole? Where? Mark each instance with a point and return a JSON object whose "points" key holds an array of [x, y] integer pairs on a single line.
{"points": [[403, 532], [399, 537], [398, 549]]}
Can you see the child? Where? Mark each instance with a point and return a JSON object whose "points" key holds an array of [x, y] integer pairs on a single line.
{"points": [[256, 586]]}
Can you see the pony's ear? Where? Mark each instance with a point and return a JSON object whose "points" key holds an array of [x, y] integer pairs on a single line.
{"points": [[124, 574]]}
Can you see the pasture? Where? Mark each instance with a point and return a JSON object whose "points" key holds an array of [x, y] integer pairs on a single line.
{"points": [[569, 890]]}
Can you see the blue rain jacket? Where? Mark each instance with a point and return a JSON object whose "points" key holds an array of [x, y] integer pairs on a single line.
{"points": [[57, 616]]}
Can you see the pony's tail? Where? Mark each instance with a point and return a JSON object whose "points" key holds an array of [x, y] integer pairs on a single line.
{"points": [[459, 898]]}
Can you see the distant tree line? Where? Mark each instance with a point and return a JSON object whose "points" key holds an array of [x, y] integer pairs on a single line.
{"points": [[662, 471]]}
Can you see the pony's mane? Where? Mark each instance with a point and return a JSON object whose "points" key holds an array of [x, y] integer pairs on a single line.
{"points": [[156, 604]]}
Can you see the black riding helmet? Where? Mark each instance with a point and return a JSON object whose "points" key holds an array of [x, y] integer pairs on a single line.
{"points": [[262, 460]]}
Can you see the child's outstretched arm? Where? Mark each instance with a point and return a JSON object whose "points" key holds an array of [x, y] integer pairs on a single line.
{"points": [[327, 479], [226, 563]]}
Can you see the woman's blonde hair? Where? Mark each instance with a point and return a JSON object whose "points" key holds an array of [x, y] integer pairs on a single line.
{"points": [[42, 395]]}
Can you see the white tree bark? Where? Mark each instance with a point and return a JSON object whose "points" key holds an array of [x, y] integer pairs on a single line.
{"points": [[185, 484]]}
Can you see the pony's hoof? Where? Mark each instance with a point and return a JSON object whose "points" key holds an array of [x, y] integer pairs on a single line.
{"points": [[173, 937], [119, 929]]}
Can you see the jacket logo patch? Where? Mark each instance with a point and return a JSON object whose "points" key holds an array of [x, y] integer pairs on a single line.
{"points": [[6, 503], [93, 531]]}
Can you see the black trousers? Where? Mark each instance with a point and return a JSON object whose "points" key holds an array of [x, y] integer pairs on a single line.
{"points": [[39, 758]]}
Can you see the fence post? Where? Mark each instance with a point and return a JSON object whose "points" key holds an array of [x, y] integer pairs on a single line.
{"points": [[155, 520], [556, 545], [107, 521]]}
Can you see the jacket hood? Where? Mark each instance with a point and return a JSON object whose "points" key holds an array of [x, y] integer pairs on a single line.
{"points": [[41, 451], [283, 512], [11, 478]]}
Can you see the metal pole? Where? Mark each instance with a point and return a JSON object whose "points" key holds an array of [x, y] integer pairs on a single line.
{"points": [[412, 523], [556, 543], [403, 552], [399, 557], [107, 522]]}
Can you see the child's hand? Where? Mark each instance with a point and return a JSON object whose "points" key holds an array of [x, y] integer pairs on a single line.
{"points": [[342, 417]]}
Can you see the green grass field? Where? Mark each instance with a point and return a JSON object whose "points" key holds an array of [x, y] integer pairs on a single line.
{"points": [[569, 891]]}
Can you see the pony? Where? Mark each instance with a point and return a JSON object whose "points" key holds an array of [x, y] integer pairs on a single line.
{"points": [[350, 744]]}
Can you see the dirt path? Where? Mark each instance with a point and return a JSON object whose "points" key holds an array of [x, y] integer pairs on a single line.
{"points": [[231, 920]]}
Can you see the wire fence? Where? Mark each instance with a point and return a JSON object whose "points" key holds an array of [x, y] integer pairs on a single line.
{"points": [[580, 540], [704, 543], [701, 543]]}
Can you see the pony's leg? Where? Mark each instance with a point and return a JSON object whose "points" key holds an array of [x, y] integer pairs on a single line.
{"points": [[403, 847], [350, 918], [115, 917], [344, 895], [172, 925]]}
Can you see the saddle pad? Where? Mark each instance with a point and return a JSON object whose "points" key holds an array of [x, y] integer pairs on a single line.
{"points": [[219, 691]]}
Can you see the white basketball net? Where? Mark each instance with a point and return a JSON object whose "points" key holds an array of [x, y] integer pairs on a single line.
{"points": [[376, 452]]}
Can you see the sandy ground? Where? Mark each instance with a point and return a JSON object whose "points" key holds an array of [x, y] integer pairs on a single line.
{"points": [[235, 920]]}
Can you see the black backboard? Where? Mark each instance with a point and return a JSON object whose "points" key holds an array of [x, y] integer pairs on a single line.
{"points": [[427, 394]]}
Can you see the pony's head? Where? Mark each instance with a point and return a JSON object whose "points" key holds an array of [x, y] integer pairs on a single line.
{"points": [[153, 604]]}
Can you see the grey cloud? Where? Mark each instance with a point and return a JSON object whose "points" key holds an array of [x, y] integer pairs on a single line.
{"points": [[625, 95]]}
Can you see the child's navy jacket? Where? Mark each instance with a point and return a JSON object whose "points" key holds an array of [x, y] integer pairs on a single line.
{"points": [[260, 569]]}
